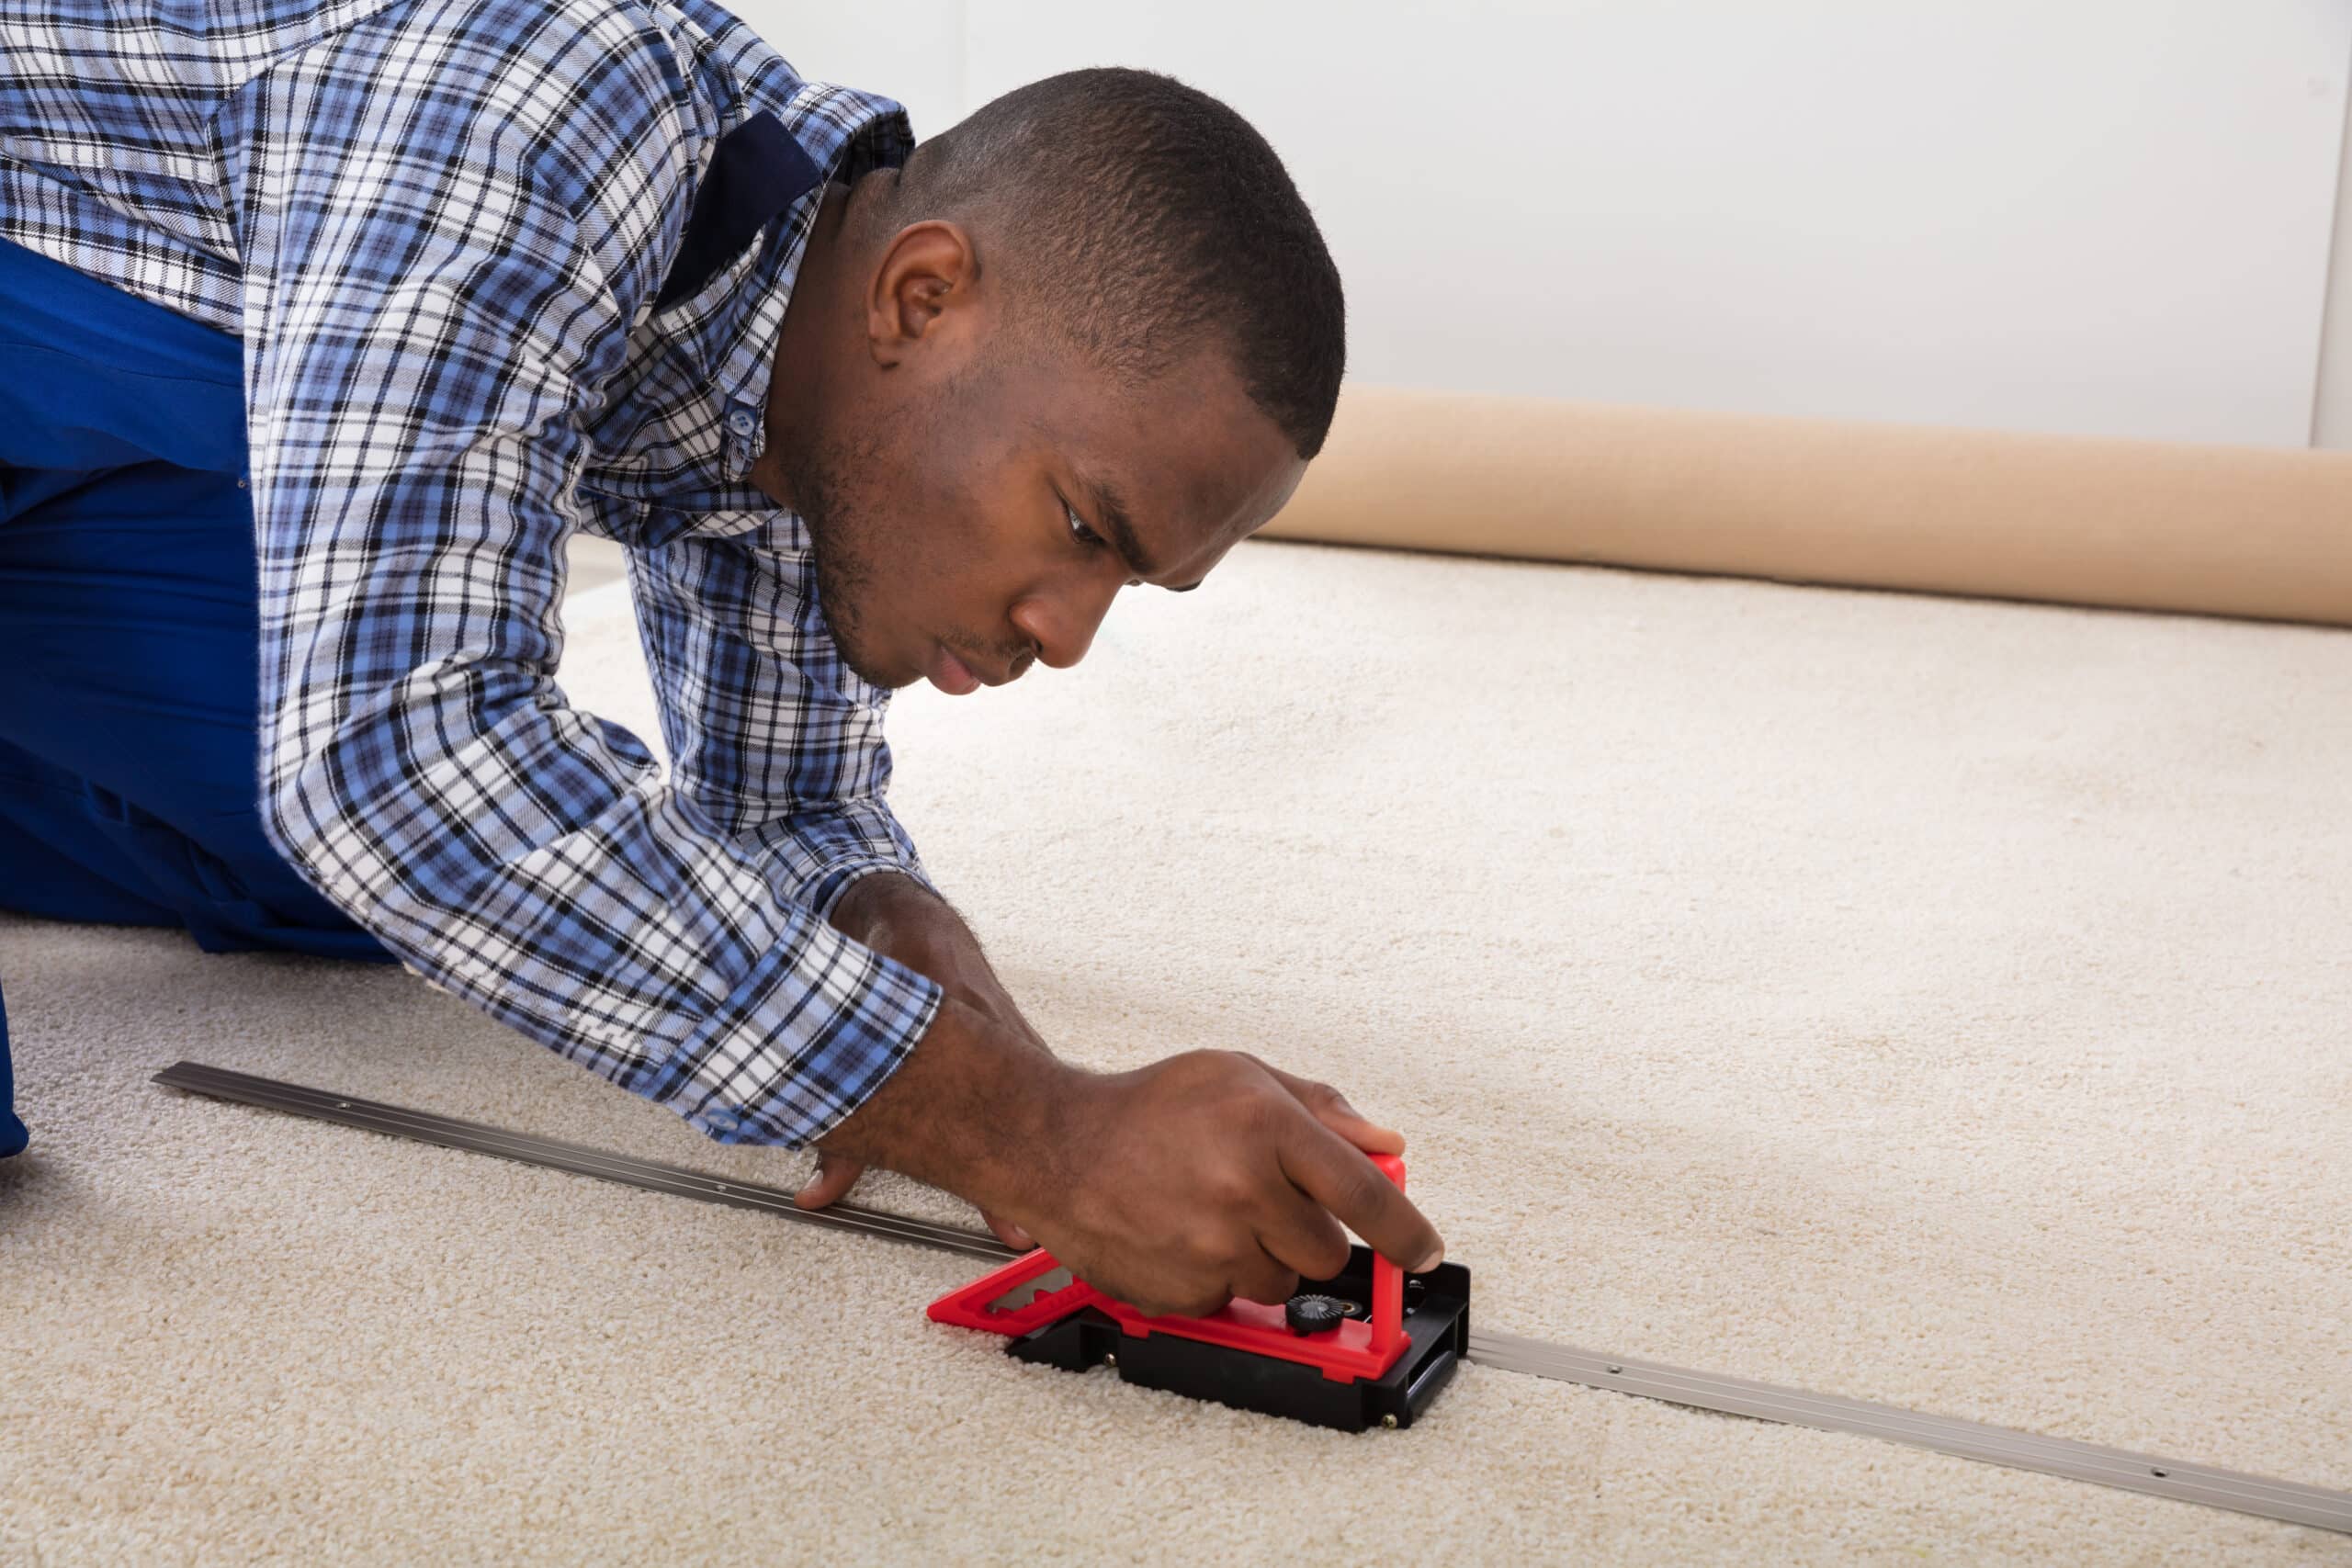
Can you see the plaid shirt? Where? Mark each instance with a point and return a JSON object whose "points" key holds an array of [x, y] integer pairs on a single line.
{"points": [[443, 229]]}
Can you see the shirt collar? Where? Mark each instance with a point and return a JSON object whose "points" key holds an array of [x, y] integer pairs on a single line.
{"points": [[846, 134]]}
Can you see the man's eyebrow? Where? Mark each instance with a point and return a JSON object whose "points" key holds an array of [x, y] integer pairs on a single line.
{"points": [[1112, 508]]}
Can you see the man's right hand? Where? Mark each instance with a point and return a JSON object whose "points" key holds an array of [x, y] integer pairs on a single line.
{"points": [[1174, 1187], [1212, 1175]]}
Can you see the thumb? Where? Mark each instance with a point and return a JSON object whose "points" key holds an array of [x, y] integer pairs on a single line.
{"points": [[1013, 1236], [835, 1175]]}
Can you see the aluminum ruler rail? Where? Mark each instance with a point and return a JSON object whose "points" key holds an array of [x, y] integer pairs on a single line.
{"points": [[2287, 1500]]}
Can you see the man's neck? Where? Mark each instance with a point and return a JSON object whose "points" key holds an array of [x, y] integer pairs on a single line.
{"points": [[795, 377]]}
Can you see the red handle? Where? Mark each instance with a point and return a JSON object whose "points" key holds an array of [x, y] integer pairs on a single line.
{"points": [[1387, 1279]]}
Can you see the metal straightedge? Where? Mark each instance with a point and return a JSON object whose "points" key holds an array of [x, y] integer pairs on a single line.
{"points": [[2180, 1480]]}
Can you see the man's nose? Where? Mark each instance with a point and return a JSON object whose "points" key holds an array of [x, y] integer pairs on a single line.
{"points": [[1062, 622]]}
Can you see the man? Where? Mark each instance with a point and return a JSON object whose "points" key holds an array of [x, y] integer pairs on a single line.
{"points": [[322, 328]]}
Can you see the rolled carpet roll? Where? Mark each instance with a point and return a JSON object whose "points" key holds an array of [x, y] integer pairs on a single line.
{"points": [[2147, 525]]}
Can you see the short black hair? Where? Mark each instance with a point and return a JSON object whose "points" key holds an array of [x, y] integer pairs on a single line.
{"points": [[1148, 220]]}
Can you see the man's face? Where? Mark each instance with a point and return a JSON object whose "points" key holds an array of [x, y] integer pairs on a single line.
{"points": [[944, 540], [938, 481]]}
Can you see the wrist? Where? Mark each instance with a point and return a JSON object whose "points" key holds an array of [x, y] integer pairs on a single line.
{"points": [[974, 1109], [870, 905], [902, 919], [897, 917]]}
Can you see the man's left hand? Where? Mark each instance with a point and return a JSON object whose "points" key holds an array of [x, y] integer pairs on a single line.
{"points": [[899, 918]]}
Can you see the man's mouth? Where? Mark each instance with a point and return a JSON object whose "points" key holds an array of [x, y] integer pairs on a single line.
{"points": [[951, 674]]}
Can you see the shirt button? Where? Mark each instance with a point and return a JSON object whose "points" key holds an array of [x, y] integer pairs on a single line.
{"points": [[741, 423]]}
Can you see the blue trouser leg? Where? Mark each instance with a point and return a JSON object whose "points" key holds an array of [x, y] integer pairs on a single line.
{"points": [[12, 1131], [128, 629]]}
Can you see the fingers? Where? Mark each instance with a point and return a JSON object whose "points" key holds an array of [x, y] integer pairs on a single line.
{"points": [[1013, 1236], [836, 1174], [1267, 1280], [1212, 1175], [1331, 1108], [1340, 1179], [1303, 1240]]}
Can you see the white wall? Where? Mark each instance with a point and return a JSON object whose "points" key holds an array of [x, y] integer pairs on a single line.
{"points": [[2332, 417], [913, 51], [2096, 216]]}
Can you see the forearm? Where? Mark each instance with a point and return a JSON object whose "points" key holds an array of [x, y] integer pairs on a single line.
{"points": [[897, 916], [771, 1026]]}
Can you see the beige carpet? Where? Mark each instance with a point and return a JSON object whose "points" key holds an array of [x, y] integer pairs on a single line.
{"points": [[1936, 1002]]}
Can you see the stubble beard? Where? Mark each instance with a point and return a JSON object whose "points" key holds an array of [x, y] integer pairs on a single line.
{"points": [[832, 507]]}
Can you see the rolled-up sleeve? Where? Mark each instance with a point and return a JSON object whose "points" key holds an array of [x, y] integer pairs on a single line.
{"points": [[448, 216]]}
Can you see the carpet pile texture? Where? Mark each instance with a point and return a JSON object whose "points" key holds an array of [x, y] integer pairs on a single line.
{"points": [[1939, 1003]]}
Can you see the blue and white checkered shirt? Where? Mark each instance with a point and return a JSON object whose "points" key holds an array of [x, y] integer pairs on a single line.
{"points": [[443, 230]]}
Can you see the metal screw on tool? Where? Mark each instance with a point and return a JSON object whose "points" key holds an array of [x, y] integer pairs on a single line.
{"points": [[1389, 1422], [1111, 1360]]}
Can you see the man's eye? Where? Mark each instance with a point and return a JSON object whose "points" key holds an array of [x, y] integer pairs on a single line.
{"points": [[1079, 530]]}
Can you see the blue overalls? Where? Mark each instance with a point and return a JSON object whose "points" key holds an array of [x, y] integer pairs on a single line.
{"points": [[129, 632]]}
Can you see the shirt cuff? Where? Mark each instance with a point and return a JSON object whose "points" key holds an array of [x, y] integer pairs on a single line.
{"points": [[799, 1044], [830, 889], [826, 850]]}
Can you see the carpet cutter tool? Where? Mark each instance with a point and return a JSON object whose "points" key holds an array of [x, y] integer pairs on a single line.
{"points": [[1368, 1348]]}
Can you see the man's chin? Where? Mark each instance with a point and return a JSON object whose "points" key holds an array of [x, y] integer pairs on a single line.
{"points": [[889, 677], [851, 650]]}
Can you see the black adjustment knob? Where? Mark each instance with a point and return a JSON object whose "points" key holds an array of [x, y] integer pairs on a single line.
{"points": [[1313, 1315]]}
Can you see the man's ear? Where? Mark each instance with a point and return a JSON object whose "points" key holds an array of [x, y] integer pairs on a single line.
{"points": [[922, 290]]}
